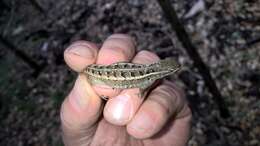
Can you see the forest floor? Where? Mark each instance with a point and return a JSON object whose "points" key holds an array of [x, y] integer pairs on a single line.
{"points": [[226, 32]]}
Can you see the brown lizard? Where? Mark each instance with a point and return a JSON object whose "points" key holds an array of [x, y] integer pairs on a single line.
{"points": [[125, 75]]}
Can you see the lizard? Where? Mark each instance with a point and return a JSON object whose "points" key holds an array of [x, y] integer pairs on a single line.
{"points": [[124, 75]]}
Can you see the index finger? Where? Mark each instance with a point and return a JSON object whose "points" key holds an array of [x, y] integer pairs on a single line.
{"points": [[116, 48]]}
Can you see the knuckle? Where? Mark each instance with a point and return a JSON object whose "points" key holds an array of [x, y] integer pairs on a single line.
{"points": [[168, 97], [145, 57], [162, 99], [148, 54], [120, 35], [119, 47]]}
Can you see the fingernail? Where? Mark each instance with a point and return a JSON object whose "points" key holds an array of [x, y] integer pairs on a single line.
{"points": [[81, 50], [121, 110], [142, 123], [78, 96]]}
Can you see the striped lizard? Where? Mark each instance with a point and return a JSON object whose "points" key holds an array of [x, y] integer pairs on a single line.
{"points": [[125, 75]]}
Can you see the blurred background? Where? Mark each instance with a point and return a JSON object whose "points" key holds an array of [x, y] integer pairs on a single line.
{"points": [[34, 78]]}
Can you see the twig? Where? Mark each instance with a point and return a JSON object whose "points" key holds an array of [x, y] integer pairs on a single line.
{"points": [[35, 66], [38, 7], [250, 43], [194, 55], [3, 6]]}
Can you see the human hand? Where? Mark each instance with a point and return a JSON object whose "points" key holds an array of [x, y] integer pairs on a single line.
{"points": [[163, 118]]}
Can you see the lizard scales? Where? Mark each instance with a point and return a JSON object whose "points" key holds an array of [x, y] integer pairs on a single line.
{"points": [[130, 75]]}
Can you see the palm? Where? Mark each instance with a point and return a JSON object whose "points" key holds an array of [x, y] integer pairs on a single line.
{"points": [[163, 118]]}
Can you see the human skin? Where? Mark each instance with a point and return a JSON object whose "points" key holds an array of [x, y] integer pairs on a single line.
{"points": [[163, 118]]}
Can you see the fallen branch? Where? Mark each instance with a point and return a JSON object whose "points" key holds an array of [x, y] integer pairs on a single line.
{"points": [[3, 6], [250, 43], [38, 7], [194, 55], [28, 60]]}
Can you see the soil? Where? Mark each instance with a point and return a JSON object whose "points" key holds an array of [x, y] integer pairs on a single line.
{"points": [[226, 33]]}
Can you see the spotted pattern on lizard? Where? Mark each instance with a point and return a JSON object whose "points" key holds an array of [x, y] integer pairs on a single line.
{"points": [[130, 75]]}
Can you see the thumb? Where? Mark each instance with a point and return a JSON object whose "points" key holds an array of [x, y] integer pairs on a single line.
{"points": [[79, 113]]}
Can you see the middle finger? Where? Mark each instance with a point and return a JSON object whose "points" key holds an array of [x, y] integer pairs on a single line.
{"points": [[119, 110], [116, 48]]}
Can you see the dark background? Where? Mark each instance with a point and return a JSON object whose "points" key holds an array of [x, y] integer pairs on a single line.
{"points": [[34, 78]]}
